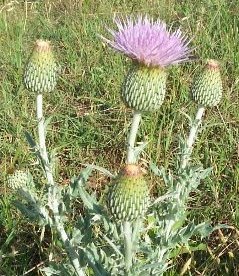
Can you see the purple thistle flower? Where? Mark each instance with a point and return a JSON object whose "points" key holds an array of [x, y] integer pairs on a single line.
{"points": [[149, 42]]}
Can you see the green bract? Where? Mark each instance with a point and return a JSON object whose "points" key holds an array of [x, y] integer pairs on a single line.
{"points": [[18, 179], [207, 86], [128, 196], [40, 71], [144, 88]]}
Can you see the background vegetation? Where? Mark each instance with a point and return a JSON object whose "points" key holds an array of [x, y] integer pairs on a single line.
{"points": [[89, 123]]}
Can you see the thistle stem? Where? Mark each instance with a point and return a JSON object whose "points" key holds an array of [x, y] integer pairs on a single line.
{"points": [[131, 159], [52, 190], [136, 226], [132, 137], [127, 228], [42, 141], [192, 137], [73, 256]]}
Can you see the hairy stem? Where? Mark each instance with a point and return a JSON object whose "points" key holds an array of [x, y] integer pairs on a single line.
{"points": [[73, 256], [132, 137], [42, 141], [192, 137], [53, 191], [136, 226], [127, 228], [131, 159]]}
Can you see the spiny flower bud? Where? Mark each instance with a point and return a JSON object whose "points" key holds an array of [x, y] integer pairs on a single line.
{"points": [[40, 72], [144, 88], [207, 86], [18, 179], [128, 196]]}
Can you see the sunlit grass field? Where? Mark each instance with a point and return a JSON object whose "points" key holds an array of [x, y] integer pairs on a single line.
{"points": [[88, 122]]}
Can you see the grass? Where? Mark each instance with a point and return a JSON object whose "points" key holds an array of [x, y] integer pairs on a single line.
{"points": [[89, 123]]}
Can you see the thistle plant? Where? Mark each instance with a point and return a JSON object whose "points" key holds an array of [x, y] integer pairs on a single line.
{"points": [[206, 91], [40, 77], [133, 233], [152, 48]]}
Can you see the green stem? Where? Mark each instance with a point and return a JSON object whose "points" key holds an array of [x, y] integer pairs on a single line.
{"points": [[132, 137], [192, 137], [127, 228]]}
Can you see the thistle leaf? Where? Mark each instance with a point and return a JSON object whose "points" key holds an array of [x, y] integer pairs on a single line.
{"points": [[47, 122], [100, 169], [139, 149], [28, 211], [205, 228], [30, 140]]}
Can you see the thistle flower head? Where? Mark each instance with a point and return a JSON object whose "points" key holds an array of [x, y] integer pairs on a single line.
{"points": [[149, 42]]}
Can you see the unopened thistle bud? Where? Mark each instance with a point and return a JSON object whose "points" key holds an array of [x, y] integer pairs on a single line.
{"points": [[18, 179], [40, 72], [207, 86], [128, 196]]}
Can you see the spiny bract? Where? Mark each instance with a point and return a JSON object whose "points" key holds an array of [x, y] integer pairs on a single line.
{"points": [[41, 70], [144, 88], [207, 86], [128, 196], [18, 179]]}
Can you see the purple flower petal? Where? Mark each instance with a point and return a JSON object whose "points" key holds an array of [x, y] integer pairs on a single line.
{"points": [[149, 42]]}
